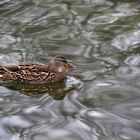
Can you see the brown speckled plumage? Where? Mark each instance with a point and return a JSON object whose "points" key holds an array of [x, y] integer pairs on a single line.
{"points": [[37, 73]]}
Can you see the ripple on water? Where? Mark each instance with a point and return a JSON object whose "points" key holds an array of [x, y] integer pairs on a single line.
{"points": [[92, 34], [68, 129], [112, 124], [128, 72], [133, 60], [106, 93], [28, 14], [127, 41], [6, 40], [130, 75]]}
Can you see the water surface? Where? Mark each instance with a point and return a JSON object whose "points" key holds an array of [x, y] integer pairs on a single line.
{"points": [[101, 38]]}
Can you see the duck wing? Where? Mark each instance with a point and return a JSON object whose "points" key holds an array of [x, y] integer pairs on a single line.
{"points": [[25, 67], [25, 72], [33, 73]]}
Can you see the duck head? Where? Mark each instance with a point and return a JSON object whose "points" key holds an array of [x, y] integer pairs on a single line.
{"points": [[60, 64]]}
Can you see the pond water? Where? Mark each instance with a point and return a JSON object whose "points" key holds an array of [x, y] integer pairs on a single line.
{"points": [[101, 99]]}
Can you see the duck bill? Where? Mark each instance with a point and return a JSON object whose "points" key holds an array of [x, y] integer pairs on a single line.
{"points": [[70, 67]]}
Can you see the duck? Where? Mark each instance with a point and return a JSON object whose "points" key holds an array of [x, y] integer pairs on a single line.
{"points": [[37, 73]]}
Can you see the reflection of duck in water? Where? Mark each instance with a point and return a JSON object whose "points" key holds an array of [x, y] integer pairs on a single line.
{"points": [[34, 78], [57, 90]]}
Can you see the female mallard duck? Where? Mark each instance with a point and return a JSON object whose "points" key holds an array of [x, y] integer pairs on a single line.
{"points": [[37, 73]]}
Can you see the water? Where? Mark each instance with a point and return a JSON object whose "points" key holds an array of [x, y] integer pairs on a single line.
{"points": [[101, 99]]}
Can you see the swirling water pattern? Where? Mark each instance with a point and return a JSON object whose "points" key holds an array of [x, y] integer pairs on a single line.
{"points": [[101, 37]]}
